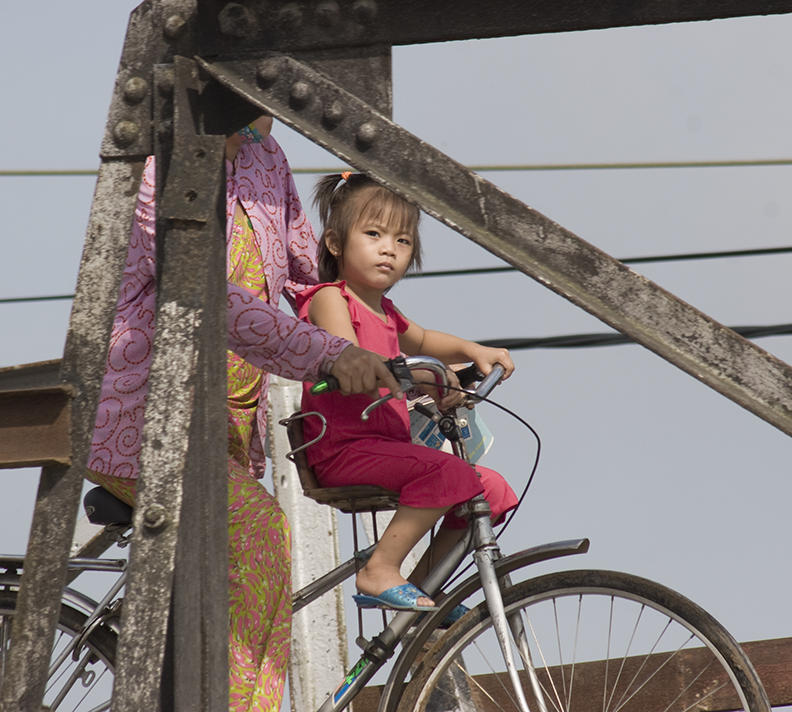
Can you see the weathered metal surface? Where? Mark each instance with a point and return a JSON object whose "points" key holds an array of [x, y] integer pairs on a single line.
{"points": [[59, 489], [317, 663], [157, 30], [525, 238], [181, 509], [41, 374], [35, 427], [366, 72], [772, 660], [236, 28]]}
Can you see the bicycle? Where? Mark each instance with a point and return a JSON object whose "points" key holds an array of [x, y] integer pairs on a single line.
{"points": [[562, 641]]}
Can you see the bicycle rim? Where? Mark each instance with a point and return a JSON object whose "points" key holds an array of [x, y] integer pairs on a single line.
{"points": [[598, 641], [82, 685]]}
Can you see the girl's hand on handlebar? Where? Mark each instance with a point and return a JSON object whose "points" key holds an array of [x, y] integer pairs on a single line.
{"points": [[451, 399], [485, 357], [361, 371]]}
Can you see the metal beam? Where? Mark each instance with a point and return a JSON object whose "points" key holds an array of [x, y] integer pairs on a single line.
{"points": [[180, 515], [554, 256], [316, 662], [236, 29], [35, 423], [35, 427]]}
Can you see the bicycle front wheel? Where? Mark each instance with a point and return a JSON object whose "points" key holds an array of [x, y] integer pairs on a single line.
{"points": [[81, 683], [598, 641]]}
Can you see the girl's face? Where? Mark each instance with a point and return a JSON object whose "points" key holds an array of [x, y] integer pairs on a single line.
{"points": [[374, 256]]}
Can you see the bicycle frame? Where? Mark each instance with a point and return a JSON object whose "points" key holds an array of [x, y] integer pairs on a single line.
{"points": [[382, 647]]}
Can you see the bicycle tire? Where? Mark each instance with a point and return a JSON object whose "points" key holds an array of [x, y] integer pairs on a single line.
{"points": [[90, 690], [672, 672]]}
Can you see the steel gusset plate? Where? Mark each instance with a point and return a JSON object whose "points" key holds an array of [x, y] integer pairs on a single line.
{"points": [[355, 132]]}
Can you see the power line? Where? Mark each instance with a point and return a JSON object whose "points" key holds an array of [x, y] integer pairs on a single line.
{"points": [[50, 298], [47, 173], [612, 339], [681, 257], [486, 168]]}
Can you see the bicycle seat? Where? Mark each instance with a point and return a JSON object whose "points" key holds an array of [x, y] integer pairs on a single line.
{"points": [[355, 498], [104, 508]]}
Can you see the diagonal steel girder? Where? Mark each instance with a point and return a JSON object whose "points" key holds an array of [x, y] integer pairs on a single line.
{"points": [[355, 132]]}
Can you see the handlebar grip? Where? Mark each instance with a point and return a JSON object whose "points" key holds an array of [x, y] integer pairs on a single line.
{"points": [[490, 381], [327, 384], [396, 366], [468, 376]]}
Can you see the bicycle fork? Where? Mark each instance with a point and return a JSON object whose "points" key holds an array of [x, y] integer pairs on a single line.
{"points": [[485, 555]]}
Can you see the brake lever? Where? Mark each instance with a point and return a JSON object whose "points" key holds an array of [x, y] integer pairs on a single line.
{"points": [[364, 416], [398, 367]]}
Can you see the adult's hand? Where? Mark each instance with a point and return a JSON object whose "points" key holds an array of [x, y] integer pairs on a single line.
{"points": [[362, 371]]}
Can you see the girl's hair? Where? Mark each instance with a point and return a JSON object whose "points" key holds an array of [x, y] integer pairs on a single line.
{"points": [[343, 200]]}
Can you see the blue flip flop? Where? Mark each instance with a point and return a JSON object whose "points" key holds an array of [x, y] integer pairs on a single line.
{"points": [[398, 598], [454, 615]]}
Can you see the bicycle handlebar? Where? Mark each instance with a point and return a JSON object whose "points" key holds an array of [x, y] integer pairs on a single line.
{"points": [[402, 368]]}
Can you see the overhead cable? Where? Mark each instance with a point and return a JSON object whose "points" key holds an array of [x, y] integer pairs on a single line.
{"points": [[756, 252], [612, 339], [487, 168]]}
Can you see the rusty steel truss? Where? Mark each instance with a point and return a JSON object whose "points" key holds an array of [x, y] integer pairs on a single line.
{"points": [[191, 72]]}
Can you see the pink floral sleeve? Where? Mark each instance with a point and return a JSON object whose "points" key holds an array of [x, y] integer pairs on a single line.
{"points": [[276, 342]]}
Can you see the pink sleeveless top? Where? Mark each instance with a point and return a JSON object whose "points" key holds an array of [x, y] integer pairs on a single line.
{"points": [[390, 420]]}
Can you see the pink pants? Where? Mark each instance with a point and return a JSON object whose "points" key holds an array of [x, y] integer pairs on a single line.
{"points": [[425, 478]]}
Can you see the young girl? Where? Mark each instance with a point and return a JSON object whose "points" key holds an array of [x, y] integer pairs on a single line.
{"points": [[369, 240]]}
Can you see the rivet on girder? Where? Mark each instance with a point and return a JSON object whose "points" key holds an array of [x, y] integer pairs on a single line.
{"points": [[300, 95], [327, 13], [268, 72], [165, 129], [125, 133], [367, 134], [333, 114], [290, 16], [166, 83], [155, 518], [364, 11], [135, 90], [236, 20], [174, 27]]}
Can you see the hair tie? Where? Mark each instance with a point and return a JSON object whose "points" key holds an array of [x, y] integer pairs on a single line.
{"points": [[345, 176]]}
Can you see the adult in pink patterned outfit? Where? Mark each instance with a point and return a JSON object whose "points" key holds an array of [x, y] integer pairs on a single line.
{"points": [[271, 251]]}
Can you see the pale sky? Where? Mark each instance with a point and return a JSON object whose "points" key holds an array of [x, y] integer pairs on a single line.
{"points": [[669, 479]]}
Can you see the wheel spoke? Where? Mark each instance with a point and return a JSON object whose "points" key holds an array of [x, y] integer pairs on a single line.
{"points": [[645, 662], [626, 655], [555, 699], [560, 653], [507, 689]]}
